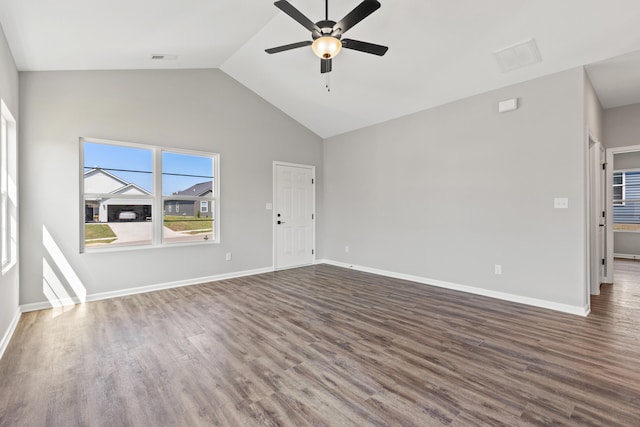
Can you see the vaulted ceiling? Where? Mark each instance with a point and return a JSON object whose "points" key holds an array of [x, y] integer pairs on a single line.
{"points": [[439, 51]]}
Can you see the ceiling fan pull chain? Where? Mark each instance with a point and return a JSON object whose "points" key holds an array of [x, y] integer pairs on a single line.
{"points": [[328, 84]]}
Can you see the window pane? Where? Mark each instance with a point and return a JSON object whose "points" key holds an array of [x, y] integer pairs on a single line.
{"points": [[617, 192], [121, 193], [627, 216], [185, 222], [187, 175], [117, 222], [8, 193], [114, 169], [617, 178]]}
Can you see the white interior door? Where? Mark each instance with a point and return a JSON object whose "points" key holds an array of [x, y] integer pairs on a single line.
{"points": [[294, 215]]}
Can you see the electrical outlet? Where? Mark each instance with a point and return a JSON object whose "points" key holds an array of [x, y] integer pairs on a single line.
{"points": [[561, 203], [228, 256], [346, 249], [497, 269]]}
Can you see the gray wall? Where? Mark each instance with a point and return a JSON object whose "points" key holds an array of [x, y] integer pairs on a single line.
{"points": [[626, 243], [193, 109], [626, 160], [622, 126], [8, 93], [447, 193], [593, 110]]}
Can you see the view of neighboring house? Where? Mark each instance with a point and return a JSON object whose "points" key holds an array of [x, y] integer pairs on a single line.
{"points": [[117, 209], [199, 208], [112, 209], [626, 197]]}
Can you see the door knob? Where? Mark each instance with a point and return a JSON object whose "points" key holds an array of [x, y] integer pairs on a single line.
{"points": [[280, 222]]}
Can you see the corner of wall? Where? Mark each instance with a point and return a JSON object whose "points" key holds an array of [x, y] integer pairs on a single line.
{"points": [[4, 342]]}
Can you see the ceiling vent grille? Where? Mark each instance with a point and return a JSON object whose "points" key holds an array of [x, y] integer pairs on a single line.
{"points": [[518, 55], [163, 57]]}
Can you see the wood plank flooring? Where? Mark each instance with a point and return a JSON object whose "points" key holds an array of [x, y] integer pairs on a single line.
{"points": [[325, 346]]}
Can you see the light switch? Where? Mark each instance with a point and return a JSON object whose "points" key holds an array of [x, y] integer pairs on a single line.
{"points": [[269, 206], [561, 203]]}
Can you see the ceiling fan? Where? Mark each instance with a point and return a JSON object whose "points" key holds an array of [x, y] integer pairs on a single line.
{"points": [[327, 35]]}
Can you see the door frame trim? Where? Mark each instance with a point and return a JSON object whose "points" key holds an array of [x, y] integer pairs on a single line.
{"points": [[277, 163], [593, 214]]}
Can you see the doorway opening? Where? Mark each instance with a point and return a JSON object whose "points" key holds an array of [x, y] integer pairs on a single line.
{"points": [[623, 222]]}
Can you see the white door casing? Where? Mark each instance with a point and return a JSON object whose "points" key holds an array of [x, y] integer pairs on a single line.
{"points": [[597, 184], [602, 221], [293, 215]]}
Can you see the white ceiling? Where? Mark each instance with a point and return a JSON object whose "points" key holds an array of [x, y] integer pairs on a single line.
{"points": [[439, 51], [617, 80]]}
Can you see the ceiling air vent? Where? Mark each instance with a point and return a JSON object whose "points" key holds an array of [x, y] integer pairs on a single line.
{"points": [[518, 55], [163, 57]]}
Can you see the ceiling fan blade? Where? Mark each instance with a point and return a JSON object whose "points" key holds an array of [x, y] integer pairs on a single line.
{"points": [[374, 49], [288, 47], [361, 11], [325, 66], [287, 8]]}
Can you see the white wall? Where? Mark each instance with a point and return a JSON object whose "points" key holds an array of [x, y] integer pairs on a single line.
{"points": [[9, 281], [447, 193], [195, 109]]}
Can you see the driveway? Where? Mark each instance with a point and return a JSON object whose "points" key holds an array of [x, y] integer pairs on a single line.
{"points": [[142, 232]]}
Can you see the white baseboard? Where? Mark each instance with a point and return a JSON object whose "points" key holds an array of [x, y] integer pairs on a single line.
{"points": [[7, 336], [580, 311], [626, 256], [132, 291], [565, 308]]}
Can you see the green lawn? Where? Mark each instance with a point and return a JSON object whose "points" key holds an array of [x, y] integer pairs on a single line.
{"points": [[98, 231], [188, 223], [98, 234]]}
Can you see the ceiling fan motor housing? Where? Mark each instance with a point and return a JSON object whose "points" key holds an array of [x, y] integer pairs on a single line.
{"points": [[327, 30]]}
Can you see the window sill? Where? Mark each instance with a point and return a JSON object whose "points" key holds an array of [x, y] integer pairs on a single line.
{"points": [[93, 250]]}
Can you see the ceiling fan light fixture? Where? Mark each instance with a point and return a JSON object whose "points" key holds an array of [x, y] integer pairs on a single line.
{"points": [[326, 47]]}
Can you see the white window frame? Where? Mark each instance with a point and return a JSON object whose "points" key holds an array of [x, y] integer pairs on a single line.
{"points": [[623, 185], [204, 203], [8, 189], [157, 200]]}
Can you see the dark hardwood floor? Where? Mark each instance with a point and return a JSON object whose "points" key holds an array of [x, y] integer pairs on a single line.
{"points": [[327, 346]]}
